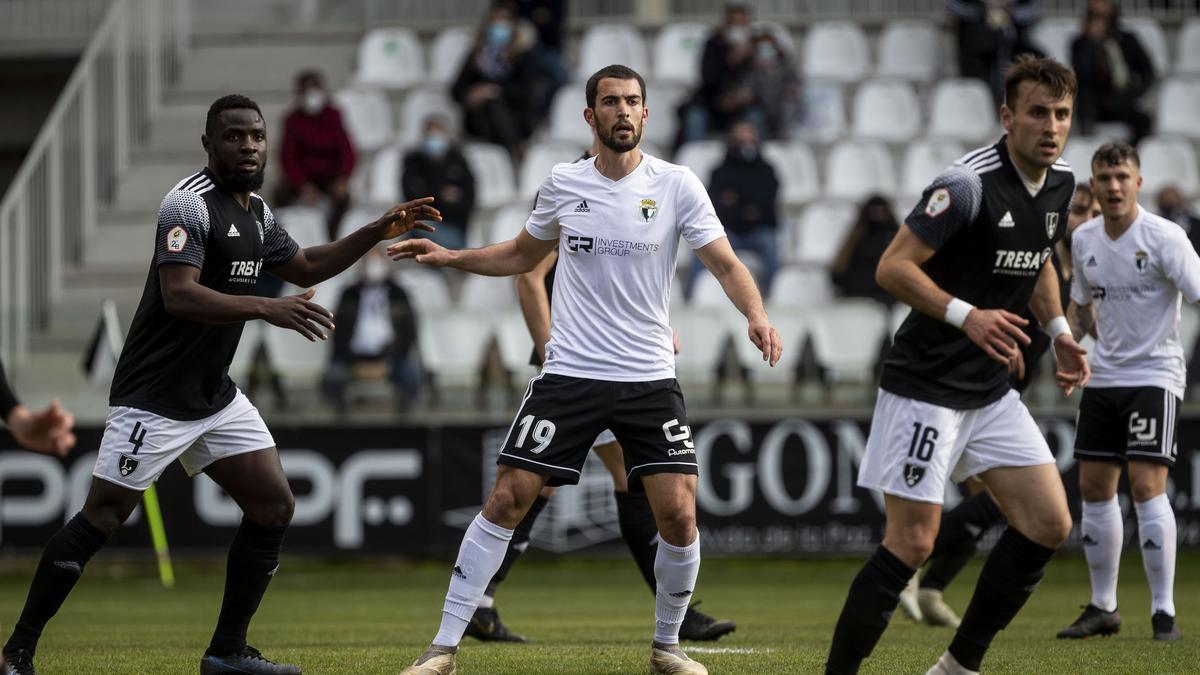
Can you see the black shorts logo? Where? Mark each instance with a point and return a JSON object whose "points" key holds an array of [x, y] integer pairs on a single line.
{"points": [[913, 474], [127, 465], [1142, 430]]}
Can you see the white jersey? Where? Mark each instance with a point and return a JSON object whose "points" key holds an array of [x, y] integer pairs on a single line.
{"points": [[1136, 283], [617, 245]]}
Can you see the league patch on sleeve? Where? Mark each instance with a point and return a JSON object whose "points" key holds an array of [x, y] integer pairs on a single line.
{"points": [[938, 202], [176, 239]]}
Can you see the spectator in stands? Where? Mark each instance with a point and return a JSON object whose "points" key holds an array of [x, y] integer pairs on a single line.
{"points": [[548, 17], [853, 268], [723, 96], [376, 331], [499, 87], [991, 33], [1172, 207], [1113, 70], [438, 168], [775, 85], [317, 155], [744, 191]]}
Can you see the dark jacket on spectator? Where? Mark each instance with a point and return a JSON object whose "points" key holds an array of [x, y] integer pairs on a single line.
{"points": [[316, 149], [744, 193], [426, 176], [404, 324]]}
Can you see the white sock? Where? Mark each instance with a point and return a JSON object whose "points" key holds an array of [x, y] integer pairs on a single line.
{"points": [[1103, 534], [675, 571], [479, 557], [1156, 533]]}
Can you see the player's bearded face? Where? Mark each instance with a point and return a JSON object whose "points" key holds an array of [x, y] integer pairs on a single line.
{"points": [[619, 114], [238, 150], [622, 135], [1039, 124]]}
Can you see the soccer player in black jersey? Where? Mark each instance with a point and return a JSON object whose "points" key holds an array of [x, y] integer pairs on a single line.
{"points": [[973, 253], [171, 395]]}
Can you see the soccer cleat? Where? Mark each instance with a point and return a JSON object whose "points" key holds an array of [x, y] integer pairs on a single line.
{"points": [[934, 610], [908, 600], [670, 659], [948, 665], [1093, 621], [486, 626], [703, 628], [19, 662], [437, 660], [245, 660], [1164, 627]]}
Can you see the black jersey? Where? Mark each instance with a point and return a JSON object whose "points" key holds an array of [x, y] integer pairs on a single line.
{"points": [[178, 368], [991, 239]]}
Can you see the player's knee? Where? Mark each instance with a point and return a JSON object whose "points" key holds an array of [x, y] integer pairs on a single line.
{"points": [[275, 512], [1053, 530], [1093, 490], [678, 529], [914, 551], [1144, 490], [504, 507], [107, 516]]}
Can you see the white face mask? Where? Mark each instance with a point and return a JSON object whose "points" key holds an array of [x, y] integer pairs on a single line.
{"points": [[313, 101], [375, 270]]}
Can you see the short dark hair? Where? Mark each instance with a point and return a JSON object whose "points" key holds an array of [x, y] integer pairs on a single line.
{"points": [[309, 75], [1113, 154], [616, 72], [1056, 77], [228, 102]]}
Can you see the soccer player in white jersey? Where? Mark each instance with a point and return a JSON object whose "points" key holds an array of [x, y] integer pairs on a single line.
{"points": [[1131, 270], [616, 220]]}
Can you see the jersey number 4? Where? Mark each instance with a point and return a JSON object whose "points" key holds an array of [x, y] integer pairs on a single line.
{"points": [[543, 433]]}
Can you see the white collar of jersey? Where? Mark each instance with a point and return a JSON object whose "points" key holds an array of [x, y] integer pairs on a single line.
{"points": [[1031, 186]]}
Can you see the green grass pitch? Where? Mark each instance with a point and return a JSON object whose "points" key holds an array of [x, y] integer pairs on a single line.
{"points": [[585, 617]]}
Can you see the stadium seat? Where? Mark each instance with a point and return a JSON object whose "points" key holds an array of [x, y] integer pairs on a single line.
{"points": [[453, 344], [291, 354], [820, 230], [707, 292], [1187, 61], [243, 358], [1150, 33], [357, 216], [677, 50], [494, 184], [792, 330], [427, 288], [783, 36], [600, 44], [449, 50], [390, 58], [505, 223], [1179, 108], [662, 99], [1054, 37], [962, 108], [305, 224], [702, 337], [1078, 154], [800, 286], [1168, 161], [418, 106], [384, 184], [858, 169], [836, 50], [846, 337], [886, 110], [566, 118], [487, 294], [514, 344], [896, 316], [923, 161], [367, 116], [796, 169], [539, 159], [701, 157], [824, 113], [910, 50]]}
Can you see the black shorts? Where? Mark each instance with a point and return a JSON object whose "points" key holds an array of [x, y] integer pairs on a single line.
{"points": [[1118, 424], [561, 416]]}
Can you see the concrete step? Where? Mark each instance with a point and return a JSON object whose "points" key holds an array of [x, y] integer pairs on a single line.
{"points": [[257, 68], [178, 126], [149, 177], [114, 247]]}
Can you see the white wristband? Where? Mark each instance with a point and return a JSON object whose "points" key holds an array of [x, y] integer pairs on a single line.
{"points": [[957, 311], [1057, 326]]}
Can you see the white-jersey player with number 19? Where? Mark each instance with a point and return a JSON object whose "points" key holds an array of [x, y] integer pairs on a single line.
{"points": [[616, 219]]}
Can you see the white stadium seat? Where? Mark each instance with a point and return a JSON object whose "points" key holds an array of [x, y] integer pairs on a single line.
{"points": [[701, 157], [421, 104], [488, 294], [800, 286], [290, 353], [836, 50], [783, 36], [1168, 161], [367, 115], [514, 344], [427, 288], [391, 58], [492, 168], [846, 337], [886, 110], [1078, 154], [910, 50], [566, 117], [1179, 108], [963, 108], [924, 159], [606, 44], [453, 344], [896, 316], [506, 223], [796, 169], [305, 224], [449, 50], [243, 358], [707, 292], [820, 230], [792, 330], [386, 170], [539, 160], [1187, 61], [858, 169], [1054, 37], [357, 216], [824, 111], [1153, 39], [702, 338], [662, 100], [677, 50]]}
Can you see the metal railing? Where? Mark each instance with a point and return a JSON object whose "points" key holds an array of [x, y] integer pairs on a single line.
{"points": [[73, 166]]}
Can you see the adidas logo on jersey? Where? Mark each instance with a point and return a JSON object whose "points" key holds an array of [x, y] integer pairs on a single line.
{"points": [[1091, 261], [1006, 220], [233, 232], [583, 207]]}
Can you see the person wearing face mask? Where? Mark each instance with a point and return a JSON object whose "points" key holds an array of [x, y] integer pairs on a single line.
{"points": [[775, 85], [723, 96], [317, 155], [990, 34], [853, 268], [376, 333], [437, 167], [1114, 72]]}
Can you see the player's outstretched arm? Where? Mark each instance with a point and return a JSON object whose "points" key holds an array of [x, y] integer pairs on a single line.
{"points": [[995, 331], [535, 303], [515, 256], [48, 431], [736, 280], [312, 265]]}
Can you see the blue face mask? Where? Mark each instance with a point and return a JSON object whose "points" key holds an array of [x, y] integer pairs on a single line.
{"points": [[435, 145], [499, 33]]}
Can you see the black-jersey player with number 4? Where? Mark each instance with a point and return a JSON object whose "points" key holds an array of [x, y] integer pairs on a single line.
{"points": [[973, 253], [171, 395]]}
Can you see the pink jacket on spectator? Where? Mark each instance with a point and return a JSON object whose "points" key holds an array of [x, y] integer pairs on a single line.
{"points": [[316, 149]]}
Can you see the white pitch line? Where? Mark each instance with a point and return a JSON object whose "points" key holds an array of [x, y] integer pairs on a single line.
{"points": [[728, 650]]}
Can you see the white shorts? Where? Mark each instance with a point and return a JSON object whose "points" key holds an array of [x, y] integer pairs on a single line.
{"points": [[915, 446], [604, 438], [139, 445]]}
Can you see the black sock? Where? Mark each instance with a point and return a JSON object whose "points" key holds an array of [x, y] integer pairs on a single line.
{"points": [[873, 597], [253, 559], [518, 544], [1012, 571], [60, 567], [639, 531], [961, 529]]}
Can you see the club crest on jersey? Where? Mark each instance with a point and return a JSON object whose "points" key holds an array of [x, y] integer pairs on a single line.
{"points": [[913, 474], [1051, 224], [1141, 260], [176, 239], [127, 465], [938, 202], [649, 209]]}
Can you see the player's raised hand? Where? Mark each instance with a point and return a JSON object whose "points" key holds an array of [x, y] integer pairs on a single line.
{"points": [[404, 217], [301, 314], [1072, 370], [997, 332], [48, 431], [766, 338], [423, 251]]}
